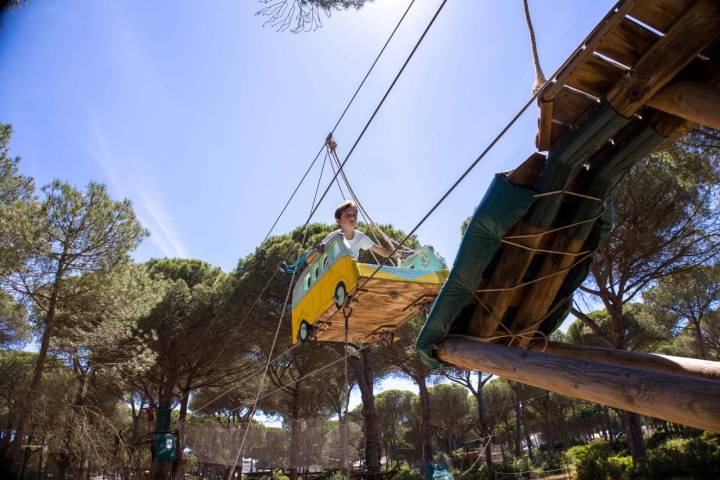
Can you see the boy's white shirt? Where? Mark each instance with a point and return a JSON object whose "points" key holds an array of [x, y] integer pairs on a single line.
{"points": [[360, 241]]}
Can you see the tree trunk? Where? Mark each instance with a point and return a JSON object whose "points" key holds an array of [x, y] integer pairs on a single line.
{"points": [[635, 435], [40, 460], [425, 423], [295, 434], [179, 468], [608, 421], [484, 427], [518, 431], [699, 339], [363, 371], [636, 443], [508, 440], [61, 470], [549, 443], [162, 469], [526, 431]]}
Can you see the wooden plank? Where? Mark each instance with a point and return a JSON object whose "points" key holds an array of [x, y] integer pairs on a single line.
{"points": [[545, 125], [510, 270], [571, 106], [627, 43], [622, 358], [692, 101], [595, 76], [689, 35], [527, 173], [588, 46], [381, 305], [677, 398], [558, 132], [660, 14]]}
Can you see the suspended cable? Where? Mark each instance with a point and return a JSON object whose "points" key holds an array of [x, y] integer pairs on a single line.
{"points": [[361, 208], [275, 337], [380, 104], [337, 123], [436, 205]]}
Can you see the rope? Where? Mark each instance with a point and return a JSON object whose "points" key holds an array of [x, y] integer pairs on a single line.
{"points": [[382, 101], [539, 77], [347, 311], [535, 280], [568, 192], [564, 227], [274, 342], [540, 250], [444, 196], [337, 123], [377, 108], [374, 228]]}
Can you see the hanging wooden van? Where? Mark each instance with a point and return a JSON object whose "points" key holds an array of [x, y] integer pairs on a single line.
{"points": [[383, 302]]}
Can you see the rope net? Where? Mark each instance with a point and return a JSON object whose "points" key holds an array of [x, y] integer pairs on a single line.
{"points": [[311, 445]]}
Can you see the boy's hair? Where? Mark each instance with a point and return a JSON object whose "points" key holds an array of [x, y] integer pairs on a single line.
{"points": [[344, 206]]}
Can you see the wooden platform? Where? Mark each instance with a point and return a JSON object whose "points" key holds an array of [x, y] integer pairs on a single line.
{"points": [[640, 58], [637, 50], [380, 308]]}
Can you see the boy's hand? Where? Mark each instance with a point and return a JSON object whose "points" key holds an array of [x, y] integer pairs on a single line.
{"points": [[320, 248]]}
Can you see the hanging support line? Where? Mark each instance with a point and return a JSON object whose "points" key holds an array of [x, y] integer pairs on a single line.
{"points": [[380, 104], [337, 123], [332, 146], [442, 199], [257, 300], [347, 312], [275, 337]]}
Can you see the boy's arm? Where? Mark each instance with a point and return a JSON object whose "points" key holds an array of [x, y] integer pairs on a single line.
{"points": [[385, 252]]}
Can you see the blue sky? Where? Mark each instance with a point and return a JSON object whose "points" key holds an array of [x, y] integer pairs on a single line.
{"points": [[205, 120]]}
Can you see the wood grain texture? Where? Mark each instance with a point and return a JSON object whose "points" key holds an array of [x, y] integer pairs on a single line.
{"points": [[659, 14], [627, 43], [650, 361], [595, 76], [604, 27], [697, 28], [683, 399], [690, 100], [381, 305], [545, 124]]}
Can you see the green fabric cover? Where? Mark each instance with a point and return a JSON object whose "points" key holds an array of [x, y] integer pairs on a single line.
{"points": [[503, 205]]}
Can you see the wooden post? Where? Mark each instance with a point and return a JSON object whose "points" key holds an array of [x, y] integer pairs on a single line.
{"points": [[692, 101], [683, 399], [622, 358]]}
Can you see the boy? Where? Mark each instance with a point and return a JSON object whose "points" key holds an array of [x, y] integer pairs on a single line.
{"points": [[346, 218]]}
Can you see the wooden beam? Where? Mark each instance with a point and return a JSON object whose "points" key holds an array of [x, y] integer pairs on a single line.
{"points": [[682, 399], [690, 34], [544, 134], [589, 45], [690, 100], [650, 361]]}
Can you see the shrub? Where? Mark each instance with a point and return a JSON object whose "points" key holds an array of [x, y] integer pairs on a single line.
{"points": [[620, 467], [407, 473], [276, 475], [697, 457]]}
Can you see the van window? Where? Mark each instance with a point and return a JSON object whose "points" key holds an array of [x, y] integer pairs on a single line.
{"points": [[325, 263], [316, 272], [334, 250], [307, 281]]}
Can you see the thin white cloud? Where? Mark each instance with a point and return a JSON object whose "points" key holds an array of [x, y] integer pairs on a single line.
{"points": [[149, 211], [168, 240]]}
